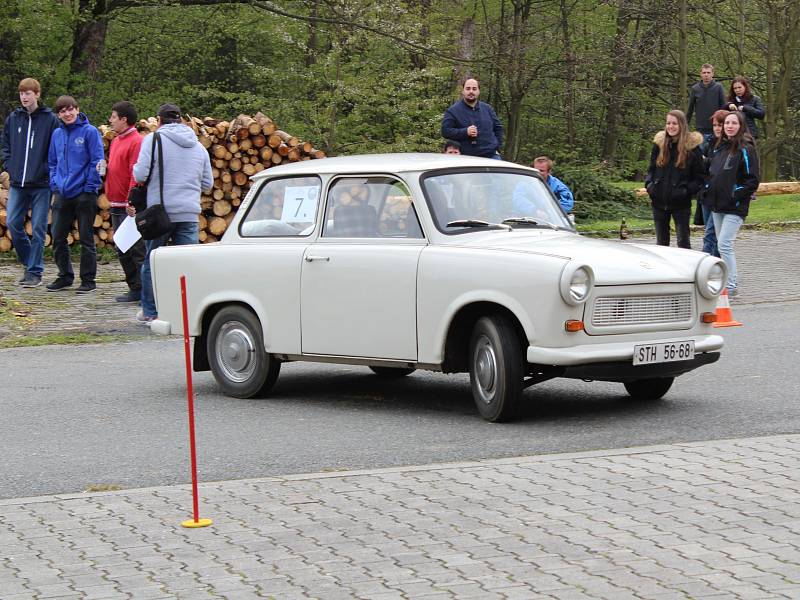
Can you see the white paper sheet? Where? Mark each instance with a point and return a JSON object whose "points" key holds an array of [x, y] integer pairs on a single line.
{"points": [[126, 234]]}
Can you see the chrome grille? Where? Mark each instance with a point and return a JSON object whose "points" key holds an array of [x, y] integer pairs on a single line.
{"points": [[639, 310]]}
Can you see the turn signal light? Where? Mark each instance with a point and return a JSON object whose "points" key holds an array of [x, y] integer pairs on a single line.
{"points": [[573, 326], [708, 317]]}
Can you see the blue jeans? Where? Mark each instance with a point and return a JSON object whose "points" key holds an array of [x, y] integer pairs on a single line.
{"points": [[709, 236], [30, 252], [181, 234], [727, 226]]}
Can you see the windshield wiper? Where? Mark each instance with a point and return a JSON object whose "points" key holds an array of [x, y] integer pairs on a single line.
{"points": [[476, 223], [529, 221]]}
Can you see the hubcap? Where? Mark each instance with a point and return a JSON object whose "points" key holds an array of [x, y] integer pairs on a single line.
{"points": [[485, 369], [236, 351]]}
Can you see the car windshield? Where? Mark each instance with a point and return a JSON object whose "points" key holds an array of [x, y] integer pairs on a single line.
{"points": [[491, 199]]}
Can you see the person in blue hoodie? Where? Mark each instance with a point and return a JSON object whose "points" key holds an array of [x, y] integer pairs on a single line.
{"points": [[186, 174], [473, 123], [24, 144], [75, 150]]}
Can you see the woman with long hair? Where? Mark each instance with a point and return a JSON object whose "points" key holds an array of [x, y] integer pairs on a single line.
{"points": [[732, 180], [675, 174], [710, 148], [741, 98]]}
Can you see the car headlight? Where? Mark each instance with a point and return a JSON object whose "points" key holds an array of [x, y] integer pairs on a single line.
{"points": [[577, 281], [712, 274]]}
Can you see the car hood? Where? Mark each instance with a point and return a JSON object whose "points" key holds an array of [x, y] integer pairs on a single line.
{"points": [[613, 262]]}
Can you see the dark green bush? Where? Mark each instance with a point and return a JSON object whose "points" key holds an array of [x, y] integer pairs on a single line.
{"points": [[598, 200]]}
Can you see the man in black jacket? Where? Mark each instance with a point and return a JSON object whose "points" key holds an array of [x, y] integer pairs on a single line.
{"points": [[705, 98], [24, 144]]}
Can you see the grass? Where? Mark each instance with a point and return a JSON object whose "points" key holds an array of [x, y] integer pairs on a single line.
{"points": [[764, 210], [61, 339]]}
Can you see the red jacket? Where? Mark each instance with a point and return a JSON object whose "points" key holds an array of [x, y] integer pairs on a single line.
{"points": [[121, 157]]}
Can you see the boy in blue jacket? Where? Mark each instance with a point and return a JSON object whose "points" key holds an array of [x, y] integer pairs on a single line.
{"points": [[75, 150], [23, 149]]}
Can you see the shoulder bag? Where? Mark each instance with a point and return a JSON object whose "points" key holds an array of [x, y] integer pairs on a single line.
{"points": [[153, 222]]}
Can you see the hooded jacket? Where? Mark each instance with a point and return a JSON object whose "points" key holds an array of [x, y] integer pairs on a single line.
{"points": [[187, 172], [732, 180], [672, 188], [75, 151], [461, 115], [24, 145]]}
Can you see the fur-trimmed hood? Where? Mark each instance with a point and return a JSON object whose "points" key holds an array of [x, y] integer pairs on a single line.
{"points": [[693, 141]]}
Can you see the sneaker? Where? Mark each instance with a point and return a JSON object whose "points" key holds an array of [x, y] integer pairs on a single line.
{"points": [[733, 293], [85, 288], [23, 278], [143, 319], [32, 281], [59, 284], [130, 296]]}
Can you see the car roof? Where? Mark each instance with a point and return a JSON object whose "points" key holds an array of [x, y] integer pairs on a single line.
{"points": [[383, 163]]}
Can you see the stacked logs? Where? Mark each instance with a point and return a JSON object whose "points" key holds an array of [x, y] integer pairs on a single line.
{"points": [[238, 149]]}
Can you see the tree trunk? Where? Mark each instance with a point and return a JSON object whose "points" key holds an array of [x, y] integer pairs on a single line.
{"points": [[615, 91], [569, 76], [88, 43], [683, 61]]}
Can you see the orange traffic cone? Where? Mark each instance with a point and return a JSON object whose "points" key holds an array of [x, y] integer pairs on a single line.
{"points": [[724, 314]]}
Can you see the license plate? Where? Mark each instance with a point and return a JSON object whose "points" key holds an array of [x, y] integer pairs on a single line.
{"points": [[647, 354]]}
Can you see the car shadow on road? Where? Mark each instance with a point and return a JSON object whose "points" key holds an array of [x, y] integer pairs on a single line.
{"points": [[424, 393]]}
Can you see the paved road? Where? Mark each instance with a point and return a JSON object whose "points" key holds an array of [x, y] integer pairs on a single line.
{"points": [[716, 520], [115, 413]]}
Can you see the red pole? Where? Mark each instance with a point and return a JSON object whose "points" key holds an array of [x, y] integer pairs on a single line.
{"points": [[190, 397]]}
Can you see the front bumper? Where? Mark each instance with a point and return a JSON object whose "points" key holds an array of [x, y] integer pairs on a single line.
{"points": [[586, 354]]}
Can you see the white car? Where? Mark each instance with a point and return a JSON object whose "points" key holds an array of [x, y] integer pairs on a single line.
{"points": [[436, 262]]}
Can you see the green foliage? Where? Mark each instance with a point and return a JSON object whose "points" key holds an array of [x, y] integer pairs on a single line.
{"points": [[597, 199]]}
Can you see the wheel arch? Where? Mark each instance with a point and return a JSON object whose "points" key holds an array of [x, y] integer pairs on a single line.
{"points": [[200, 351], [456, 344]]}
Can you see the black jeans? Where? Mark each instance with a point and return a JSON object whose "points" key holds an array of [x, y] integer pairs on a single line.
{"points": [[681, 216], [66, 210], [131, 260]]}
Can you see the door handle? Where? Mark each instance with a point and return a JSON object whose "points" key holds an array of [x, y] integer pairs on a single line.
{"points": [[310, 258]]}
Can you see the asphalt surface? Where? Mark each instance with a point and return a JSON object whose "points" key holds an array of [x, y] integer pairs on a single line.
{"points": [[78, 416]]}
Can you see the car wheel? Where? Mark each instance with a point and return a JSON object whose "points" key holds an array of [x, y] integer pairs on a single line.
{"points": [[391, 372], [649, 389], [241, 366], [495, 368]]}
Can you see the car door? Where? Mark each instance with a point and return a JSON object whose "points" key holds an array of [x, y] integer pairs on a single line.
{"points": [[359, 279]]}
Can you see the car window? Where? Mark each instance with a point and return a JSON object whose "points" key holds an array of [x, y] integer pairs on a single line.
{"points": [[371, 207], [491, 197], [283, 207]]}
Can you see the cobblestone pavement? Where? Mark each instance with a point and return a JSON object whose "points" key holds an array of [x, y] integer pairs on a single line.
{"points": [[768, 263], [698, 520]]}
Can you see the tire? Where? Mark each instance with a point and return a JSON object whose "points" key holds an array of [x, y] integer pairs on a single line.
{"points": [[495, 368], [648, 389], [391, 372], [235, 346]]}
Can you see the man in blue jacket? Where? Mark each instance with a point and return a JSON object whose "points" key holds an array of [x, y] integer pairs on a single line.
{"points": [[23, 148], [560, 190], [75, 150], [473, 123]]}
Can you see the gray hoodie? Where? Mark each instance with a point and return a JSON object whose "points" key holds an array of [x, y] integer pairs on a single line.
{"points": [[187, 169]]}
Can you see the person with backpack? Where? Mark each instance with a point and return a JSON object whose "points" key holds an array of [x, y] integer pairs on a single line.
{"points": [[675, 175], [732, 180]]}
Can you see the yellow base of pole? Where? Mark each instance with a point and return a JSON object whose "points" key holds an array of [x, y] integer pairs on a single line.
{"points": [[191, 523]]}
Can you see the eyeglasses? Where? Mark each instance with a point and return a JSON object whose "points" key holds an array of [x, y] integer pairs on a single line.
{"points": [[67, 109]]}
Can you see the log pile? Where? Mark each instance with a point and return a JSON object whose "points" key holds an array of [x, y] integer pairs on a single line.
{"points": [[238, 149]]}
